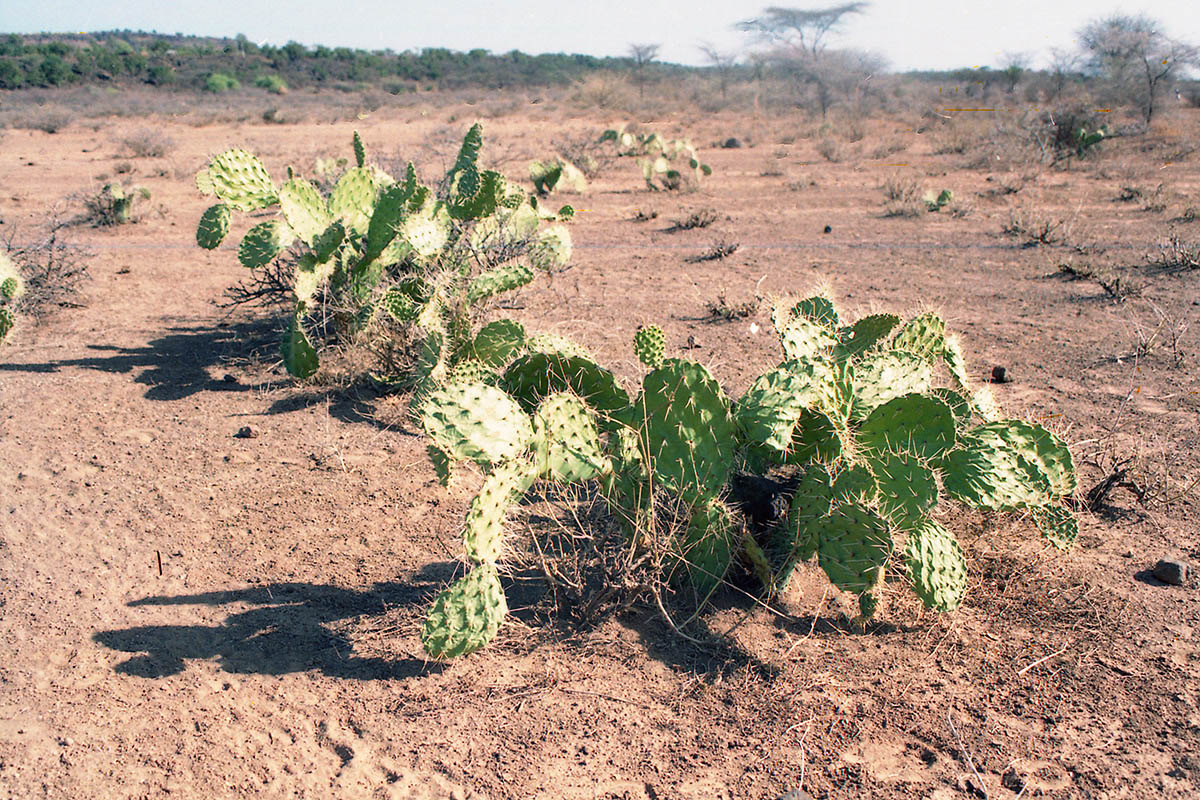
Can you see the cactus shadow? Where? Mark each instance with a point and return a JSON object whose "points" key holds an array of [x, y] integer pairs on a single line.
{"points": [[176, 365], [288, 627]]}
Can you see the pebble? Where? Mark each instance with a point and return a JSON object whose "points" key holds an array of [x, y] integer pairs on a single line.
{"points": [[1172, 572], [731, 143], [1000, 375], [246, 432]]}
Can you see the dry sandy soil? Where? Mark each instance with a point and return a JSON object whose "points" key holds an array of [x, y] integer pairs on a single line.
{"points": [[276, 653]]}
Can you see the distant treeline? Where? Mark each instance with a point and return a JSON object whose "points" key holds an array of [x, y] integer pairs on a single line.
{"points": [[190, 62]]}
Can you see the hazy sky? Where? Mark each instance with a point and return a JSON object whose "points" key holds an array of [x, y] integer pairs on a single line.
{"points": [[912, 34]]}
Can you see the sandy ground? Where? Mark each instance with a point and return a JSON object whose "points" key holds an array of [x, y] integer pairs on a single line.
{"points": [[276, 653]]}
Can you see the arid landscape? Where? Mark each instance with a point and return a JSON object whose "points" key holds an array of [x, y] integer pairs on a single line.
{"points": [[187, 611]]}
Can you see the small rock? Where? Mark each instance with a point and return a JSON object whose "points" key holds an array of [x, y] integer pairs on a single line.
{"points": [[796, 794], [246, 432], [1171, 571], [829, 229], [732, 143], [230, 378], [1000, 375]]}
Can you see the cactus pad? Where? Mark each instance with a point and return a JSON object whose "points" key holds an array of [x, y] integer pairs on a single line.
{"points": [[475, 422], [1057, 524], [906, 487], [866, 333], [769, 411], [708, 546], [912, 424], [213, 227], [299, 356], [649, 345], [535, 376], [263, 243], [552, 249], [924, 335], [353, 198], [853, 545], [886, 375], [567, 439], [8, 321], [498, 342], [240, 180], [686, 429], [484, 537], [304, 209], [937, 566], [495, 281], [466, 616]]}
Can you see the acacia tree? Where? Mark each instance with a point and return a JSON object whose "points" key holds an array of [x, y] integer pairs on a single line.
{"points": [[722, 63], [1134, 54], [642, 55], [797, 38], [1013, 66]]}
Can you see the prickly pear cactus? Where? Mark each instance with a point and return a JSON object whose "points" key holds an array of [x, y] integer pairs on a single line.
{"points": [[466, 616], [376, 252], [864, 429]]}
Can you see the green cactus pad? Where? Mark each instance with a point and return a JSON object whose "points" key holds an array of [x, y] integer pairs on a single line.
{"points": [[424, 235], [924, 335], [353, 198], [816, 437], [443, 466], [11, 288], [484, 536], [463, 177], [239, 180], [213, 227], [535, 376], [496, 281], [497, 343], [886, 375], [308, 277], [906, 487], [649, 345], [1008, 465], [803, 338], [816, 309], [915, 424], [959, 406], [567, 440], [466, 616], [469, 370], [299, 356], [475, 422], [983, 403], [627, 487], [937, 566], [304, 209], [771, 408], [360, 152], [263, 243], [390, 208], [866, 333], [811, 502], [853, 545], [686, 429], [1057, 524], [854, 484], [708, 546]]}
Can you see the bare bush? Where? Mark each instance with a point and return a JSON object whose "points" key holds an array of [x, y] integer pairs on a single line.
{"points": [[52, 267], [147, 143]]}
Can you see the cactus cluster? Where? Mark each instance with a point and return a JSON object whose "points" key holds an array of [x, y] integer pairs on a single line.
{"points": [[12, 286], [936, 202], [375, 249], [867, 427], [666, 164]]}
